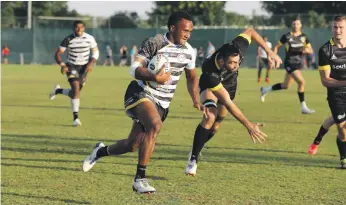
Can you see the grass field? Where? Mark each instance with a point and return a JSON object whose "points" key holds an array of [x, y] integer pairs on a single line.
{"points": [[42, 152]]}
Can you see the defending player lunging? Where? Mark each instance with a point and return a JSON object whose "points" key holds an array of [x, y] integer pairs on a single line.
{"points": [[218, 85]]}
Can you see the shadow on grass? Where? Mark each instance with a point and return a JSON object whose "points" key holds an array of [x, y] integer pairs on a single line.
{"points": [[55, 138], [173, 152], [74, 169], [69, 201], [182, 116]]}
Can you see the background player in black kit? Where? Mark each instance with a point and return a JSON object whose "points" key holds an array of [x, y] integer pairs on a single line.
{"points": [[218, 85], [297, 44], [332, 67]]}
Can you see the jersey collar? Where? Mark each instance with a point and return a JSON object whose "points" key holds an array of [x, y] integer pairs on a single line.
{"points": [[170, 43], [300, 33], [331, 41]]}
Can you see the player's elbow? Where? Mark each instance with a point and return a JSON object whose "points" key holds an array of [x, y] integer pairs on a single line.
{"points": [[325, 83]]}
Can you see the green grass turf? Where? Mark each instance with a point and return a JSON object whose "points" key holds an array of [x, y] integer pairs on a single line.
{"points": [[42, 153]]}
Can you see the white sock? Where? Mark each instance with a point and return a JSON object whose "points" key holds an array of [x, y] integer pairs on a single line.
{"points": [[267, 89], [303, 104], [75, 105], [66, 91]]}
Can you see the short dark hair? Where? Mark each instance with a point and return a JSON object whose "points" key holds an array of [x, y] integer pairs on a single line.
{"points": [[297, 19], [339, 18], [229, 50], [78, 22], [175, 17]]}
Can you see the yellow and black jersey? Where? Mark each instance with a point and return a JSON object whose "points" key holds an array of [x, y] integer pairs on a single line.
{"points": [[213, 76], [294, 47], [332, 58]]}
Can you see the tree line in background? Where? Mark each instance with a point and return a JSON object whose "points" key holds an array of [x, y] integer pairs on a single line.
{"points": [[209, 13]]}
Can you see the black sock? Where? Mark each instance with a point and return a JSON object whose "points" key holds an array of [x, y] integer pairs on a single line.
{"points": [[320, 135], [211, 135], [342, 148], [201, 136], [58, 91], [277, 86], [102, 152], [140, 174], [301, 96], [75, 115], [259, 72]]}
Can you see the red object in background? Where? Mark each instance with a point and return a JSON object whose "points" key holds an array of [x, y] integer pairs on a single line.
{"points": [[5, 51]]}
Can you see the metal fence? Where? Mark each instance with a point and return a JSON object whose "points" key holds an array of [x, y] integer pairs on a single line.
{"points": [[38, 44]]}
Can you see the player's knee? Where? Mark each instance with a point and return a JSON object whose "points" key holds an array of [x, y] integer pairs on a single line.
{"points": [[284, 86], [209, 120], [301, 82], [134, 146], [154, 129]]}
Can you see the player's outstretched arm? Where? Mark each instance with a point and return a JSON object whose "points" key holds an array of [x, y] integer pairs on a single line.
{"points": [[253, 128], [254, 36]]}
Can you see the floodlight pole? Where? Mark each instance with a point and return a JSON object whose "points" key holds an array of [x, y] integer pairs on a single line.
{"points": [[29, 14]]}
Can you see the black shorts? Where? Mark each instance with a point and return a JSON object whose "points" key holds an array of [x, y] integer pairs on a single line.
{"points": [[337, 105], [207, 81], [291, 67], [263, 62], [76, 72], [134, 95]]}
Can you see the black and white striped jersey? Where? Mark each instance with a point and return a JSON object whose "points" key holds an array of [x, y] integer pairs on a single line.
{"points": [[179, 58], [78, 48]]}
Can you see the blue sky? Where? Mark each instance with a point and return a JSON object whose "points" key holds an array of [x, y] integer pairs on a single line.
{"points": [[107, 8]]}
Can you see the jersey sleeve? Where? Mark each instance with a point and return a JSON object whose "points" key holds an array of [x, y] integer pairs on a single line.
{"points": [[192, 64], [242, 42], [323, 60], [64, 44], [93, 43], [209, 81], [147, 49], [283, 39]]}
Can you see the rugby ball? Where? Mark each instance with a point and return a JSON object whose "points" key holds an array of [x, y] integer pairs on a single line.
{"points": [[155, 65]]}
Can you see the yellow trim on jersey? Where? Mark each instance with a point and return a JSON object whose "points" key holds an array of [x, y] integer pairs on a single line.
{"points": [[136, 103], [218, 87], [287, 47], [71, 76], [308, 45], [246, 37], [299, 33], [331, 41], [324, 67], [217, 65]]}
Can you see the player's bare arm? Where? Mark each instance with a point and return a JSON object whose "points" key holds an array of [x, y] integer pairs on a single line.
{"points": [[192, 87], [141, 72], [95, 54], [308, 49], [330, 82], [273, 58], [255, 133], [58, 59], [277, 46]]}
